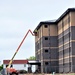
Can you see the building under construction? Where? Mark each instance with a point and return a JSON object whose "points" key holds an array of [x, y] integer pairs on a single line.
{"points": [[55, 43]]}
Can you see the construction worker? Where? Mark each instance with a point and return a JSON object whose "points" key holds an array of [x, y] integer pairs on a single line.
{"points": [[4, 71]]}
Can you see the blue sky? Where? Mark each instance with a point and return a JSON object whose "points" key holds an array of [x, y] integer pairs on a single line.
{"points": [[17, 16]]}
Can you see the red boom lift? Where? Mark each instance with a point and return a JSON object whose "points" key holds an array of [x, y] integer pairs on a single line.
{"points": [[12, 71]]}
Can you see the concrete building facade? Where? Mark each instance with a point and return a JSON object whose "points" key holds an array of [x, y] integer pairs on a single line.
{"points": [[55, 43]]}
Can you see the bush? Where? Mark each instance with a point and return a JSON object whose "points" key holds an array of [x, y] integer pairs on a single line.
{"points": [[1, 67], [22, 71]]}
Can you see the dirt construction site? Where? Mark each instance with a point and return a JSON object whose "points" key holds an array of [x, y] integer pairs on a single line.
{"points": [[50, 74]]}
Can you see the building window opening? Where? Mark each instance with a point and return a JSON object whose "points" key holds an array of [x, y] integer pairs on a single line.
{"points": [[46, 50], [46, 38], [46, 63], [11, 66], [45, 26], [6, 65]]}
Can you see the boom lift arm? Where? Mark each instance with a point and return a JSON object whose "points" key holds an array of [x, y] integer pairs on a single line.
{"points": [[19, 47]]}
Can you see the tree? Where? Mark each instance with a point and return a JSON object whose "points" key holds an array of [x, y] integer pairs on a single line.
{"points": [[1, 67], [32, 58]]}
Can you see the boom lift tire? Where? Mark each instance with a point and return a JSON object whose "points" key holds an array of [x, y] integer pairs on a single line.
{"points": [[14, 73]]}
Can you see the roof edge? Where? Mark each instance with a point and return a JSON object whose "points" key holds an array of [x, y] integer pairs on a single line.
{"points": [[43, 22], [65, 13], [61, 17]]}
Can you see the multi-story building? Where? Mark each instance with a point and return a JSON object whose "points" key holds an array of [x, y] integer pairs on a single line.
{"points": [[66, 41], [46, 43], [55, 43]]}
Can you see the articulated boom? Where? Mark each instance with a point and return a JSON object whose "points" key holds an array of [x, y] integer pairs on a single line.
{"points": [[20, 46]]}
